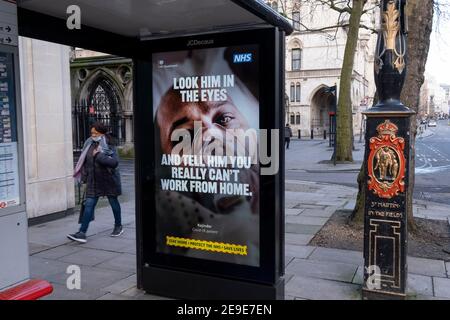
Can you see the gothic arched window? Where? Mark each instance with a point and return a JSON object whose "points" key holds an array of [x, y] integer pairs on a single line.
{"points": [[104, 105]]}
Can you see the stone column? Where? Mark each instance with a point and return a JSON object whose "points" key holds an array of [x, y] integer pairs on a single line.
{"points": [[128, 148], [47, 117]]}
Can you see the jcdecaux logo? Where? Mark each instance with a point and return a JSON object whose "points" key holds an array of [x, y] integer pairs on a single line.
{"points": [[242, 58]]}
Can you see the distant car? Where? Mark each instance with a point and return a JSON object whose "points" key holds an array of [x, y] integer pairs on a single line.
{"points": [[432, 123], [423, 121]]}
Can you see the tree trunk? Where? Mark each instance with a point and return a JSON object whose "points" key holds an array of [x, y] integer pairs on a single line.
{"points": [[344, 141], [420, 17], [357, 215]]}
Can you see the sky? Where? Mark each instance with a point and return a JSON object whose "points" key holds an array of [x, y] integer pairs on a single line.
{"points": [[438, 64]]}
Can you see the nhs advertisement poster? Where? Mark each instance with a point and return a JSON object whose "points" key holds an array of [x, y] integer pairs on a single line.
{"points": [[206, 115]]}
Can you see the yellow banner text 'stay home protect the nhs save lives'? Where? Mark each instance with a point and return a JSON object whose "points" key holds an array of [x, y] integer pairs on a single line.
{"points": [[207, 245]]}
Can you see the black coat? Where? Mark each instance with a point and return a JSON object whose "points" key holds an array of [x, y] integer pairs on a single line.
{"points": [[101, 174], [288, 132]]}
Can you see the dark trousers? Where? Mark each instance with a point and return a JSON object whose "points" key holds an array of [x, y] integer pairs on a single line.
{"points": [[287, 141], [89, 208]]}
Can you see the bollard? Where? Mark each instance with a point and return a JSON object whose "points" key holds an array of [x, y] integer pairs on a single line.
{"points": [[300, 134]]}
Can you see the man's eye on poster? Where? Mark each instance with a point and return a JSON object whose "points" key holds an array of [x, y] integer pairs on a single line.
{"points": [[206, 114]]}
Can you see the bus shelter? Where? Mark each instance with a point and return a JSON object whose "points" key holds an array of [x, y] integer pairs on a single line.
{"points": [[208, 109]]}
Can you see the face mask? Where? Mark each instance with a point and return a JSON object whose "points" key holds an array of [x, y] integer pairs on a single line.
{"points": [[97, 139]]}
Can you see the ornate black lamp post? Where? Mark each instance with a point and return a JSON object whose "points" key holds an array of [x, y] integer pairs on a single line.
{"points": [[387, 152]]}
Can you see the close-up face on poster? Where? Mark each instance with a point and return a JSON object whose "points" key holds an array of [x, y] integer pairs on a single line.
{"points": [[206, 115]]}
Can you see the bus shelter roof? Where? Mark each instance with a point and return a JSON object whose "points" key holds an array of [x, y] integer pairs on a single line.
{"points": [[153, 19]]}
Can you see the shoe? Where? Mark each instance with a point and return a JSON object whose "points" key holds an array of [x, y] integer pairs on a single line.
{"points": [[78, 237], [117, 231]]}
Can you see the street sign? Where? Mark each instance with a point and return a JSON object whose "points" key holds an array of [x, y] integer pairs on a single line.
{"points": [[9, 176], [13, 216], [8, 23], [8, 40]]}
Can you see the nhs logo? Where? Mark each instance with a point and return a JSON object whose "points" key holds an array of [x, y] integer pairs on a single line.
{"points": [[242, 58]]}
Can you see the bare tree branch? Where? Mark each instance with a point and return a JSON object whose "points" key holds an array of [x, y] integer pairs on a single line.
{"points": [[331, 4]]}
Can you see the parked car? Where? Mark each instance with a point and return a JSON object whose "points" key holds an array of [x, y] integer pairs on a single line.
{"points": [[423, 121], [432, 123]]}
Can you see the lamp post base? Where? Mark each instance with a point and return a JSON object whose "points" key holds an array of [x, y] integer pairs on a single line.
{"points": [[385, 218], [379, 295]]}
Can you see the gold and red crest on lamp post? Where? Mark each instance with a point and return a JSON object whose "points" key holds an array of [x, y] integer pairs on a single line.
{"points": [[386, 162]]}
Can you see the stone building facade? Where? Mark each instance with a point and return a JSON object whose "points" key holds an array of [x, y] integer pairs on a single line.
{"points": [[103, 84], [314, 61]]}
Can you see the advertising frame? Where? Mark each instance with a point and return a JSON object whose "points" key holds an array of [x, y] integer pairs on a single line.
{"points": [[21, 206], [163, 273]]}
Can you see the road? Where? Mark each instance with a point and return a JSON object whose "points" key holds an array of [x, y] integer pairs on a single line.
{"points": [[432, 167]]}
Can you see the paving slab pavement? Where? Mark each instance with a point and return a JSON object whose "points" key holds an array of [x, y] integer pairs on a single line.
{"points": [[108, 265]]}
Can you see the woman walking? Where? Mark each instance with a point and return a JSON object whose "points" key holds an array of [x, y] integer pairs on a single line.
{"points": [[98, 169]]}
